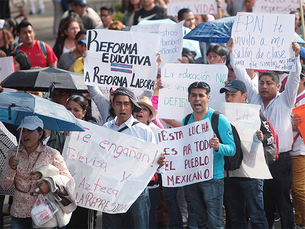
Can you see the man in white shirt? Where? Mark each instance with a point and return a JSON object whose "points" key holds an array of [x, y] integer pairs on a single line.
{"points": [[277, 108], [124, 103]]}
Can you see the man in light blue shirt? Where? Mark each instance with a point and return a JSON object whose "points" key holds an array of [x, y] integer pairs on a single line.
{"points": [[207, 196], [124, 103]]}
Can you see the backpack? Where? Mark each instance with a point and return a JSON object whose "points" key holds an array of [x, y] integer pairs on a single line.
{"points": [[42, 46], [270, 141], [231, 162]]}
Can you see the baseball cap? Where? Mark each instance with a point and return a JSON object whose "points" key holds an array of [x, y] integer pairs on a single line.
{"points": [[234, 86], [80, 2], [130, 94], [31, 123], [83, 41]]}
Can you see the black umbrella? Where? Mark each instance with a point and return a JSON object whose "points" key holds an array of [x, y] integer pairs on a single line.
{"points": [[42, 79]]}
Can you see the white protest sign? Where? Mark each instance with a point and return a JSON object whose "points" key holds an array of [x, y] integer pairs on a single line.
{"points": [[263, 41], [110, 169], [173, 98], [171, 39], [7, 67], [277, 7], [121, 59], [188, 152], [196, 6], [245, 118]]}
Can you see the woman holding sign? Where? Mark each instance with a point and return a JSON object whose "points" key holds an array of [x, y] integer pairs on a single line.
{"points": [[81, 217]]}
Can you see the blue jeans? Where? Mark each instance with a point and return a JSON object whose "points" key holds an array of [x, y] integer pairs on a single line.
{"points": [[137, 215], [172, 207], [206, 198], [25, 223], [154, 194], [241, 196]]}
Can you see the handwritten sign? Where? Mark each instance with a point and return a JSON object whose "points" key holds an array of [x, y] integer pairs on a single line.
{"points": [[173, 98], [263, 41], [171, 39], [7, 67], [243, 115], [300, 112], [196, 6], [275, 6], [188, 152], [110, 169], [121, 59]]}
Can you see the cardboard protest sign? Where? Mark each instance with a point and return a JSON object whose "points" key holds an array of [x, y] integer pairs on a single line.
{"points": [[196, 6], [263, 41], [173, 98], [171, 39], [245, 118], [121, 59], [277, 7], [7, 67], [188, 152], [300, 111], [110, 169]]}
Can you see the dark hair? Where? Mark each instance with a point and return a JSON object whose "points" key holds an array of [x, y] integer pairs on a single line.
{"points": [[39, 129], [109, 9], [116, 25], [81, 32], [12, 24], [22, 58], [182, 12], [79, 99], [130, 7], [273, 75], [220, 51], [201, 85], [22, 24], [67, 24]]}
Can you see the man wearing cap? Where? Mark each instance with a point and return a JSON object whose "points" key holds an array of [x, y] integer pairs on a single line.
{"points": [[79, 7], [124, 103], [68, 59], [207, 196], [277, 108], [243, 194]]}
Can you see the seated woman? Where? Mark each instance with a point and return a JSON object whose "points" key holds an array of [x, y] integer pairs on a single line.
{"points": [[18, 171]]}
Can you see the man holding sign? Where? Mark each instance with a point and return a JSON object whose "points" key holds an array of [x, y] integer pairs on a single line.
{"points": [[277, 108], [124, 103], [243, 192], [207, 197]]}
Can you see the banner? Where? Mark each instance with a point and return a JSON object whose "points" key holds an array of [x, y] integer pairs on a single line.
{"points": [[110, 169], [196, 6], [121, 59], [173, 98], [171, 39], [188, 152], [263, 41], [277, 7], [299, 111], [245, 118]]}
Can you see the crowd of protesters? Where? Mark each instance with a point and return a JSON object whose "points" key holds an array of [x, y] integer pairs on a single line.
{"points": [[222, 202]]}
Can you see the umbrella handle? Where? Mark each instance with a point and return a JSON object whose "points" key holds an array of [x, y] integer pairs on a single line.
{"points": [[10, 111]]}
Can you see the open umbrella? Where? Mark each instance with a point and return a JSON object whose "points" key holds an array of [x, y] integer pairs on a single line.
{"points": [[15, 106], [219, 31], [42, 79], [7, 141]]}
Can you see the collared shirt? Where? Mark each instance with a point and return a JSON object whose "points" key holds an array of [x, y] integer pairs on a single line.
{"points": [[278, 110], [22, 177], [139, 130]]}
